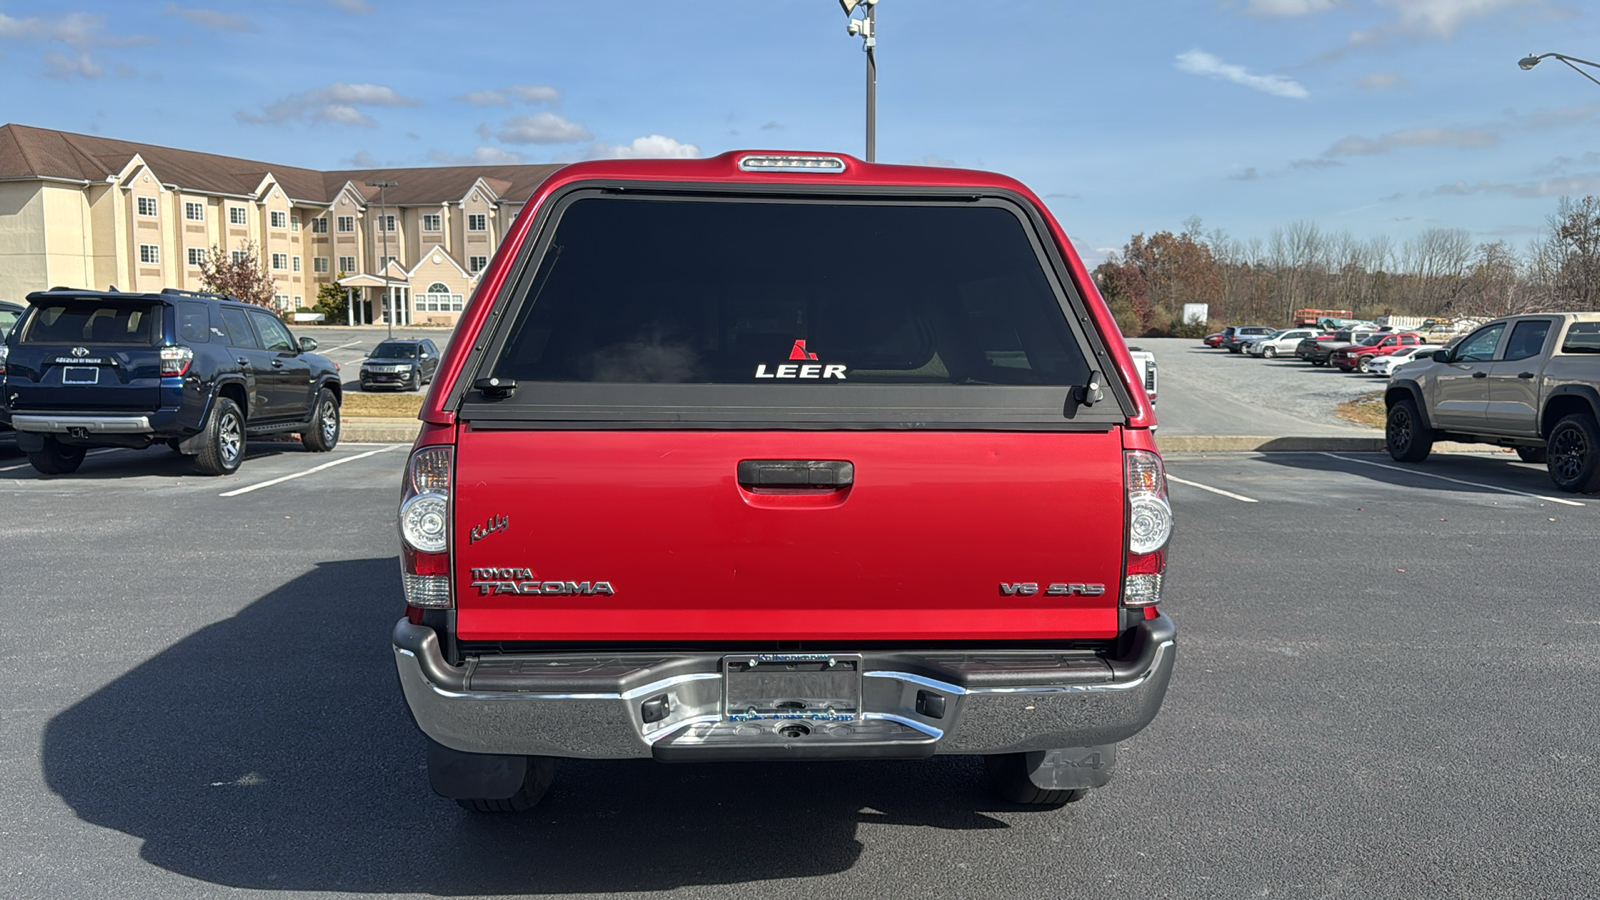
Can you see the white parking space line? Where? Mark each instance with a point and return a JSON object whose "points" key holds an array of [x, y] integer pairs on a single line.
{"points": [[1476, 484], [340, 347], [90, 453], [314, 469], [1230, 494]]}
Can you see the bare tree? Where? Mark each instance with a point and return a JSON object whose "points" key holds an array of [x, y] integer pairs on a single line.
{"points": [[239, 274]]}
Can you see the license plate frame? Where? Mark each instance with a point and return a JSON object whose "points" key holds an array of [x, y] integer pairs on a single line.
{"points": [[89, 375], [783, 686]]}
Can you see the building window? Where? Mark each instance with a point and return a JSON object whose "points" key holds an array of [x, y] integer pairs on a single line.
{"points": [[194, 212], [477, 222], [347, 264], [476, 264], [437, 298], [430, 222], [197, 256], [280, 261], [279, 218], [319, 225], [147, 206], [296, 265], [385, 223], [238, 256], [294, 223], [319, 265], [299, 301], [281, 301], [347, 224], [383, 262], [236, 215], [149, 253]]}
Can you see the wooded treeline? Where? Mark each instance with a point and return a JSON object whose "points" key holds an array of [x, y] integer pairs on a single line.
{"points": [[1440, 272]]}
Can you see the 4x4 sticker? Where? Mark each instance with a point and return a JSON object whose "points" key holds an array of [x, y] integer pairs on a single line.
{"points": [[813, 371]]}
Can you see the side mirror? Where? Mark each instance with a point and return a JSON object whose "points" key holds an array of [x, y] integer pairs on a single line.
{"points": [[308, 344]]}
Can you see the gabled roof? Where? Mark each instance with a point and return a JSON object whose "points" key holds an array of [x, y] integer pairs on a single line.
{"points": [[27, 152]]}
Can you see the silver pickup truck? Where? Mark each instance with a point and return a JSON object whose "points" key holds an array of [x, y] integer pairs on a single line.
{"points": [[1531, 382]]}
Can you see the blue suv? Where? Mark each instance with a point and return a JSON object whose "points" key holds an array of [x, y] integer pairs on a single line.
{"points": [[199, 372]]}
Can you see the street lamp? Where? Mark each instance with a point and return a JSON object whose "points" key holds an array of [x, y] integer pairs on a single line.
{"points": [[1528, 62], [388, 291], [866, 28]]}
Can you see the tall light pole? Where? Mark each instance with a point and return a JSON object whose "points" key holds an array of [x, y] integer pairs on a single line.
{"points": [[383, 225], [1528, 62], [866, 28]]}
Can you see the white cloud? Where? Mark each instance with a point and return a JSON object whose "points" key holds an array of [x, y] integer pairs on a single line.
{"points": [[81, 32], [1200, 62], [481, 156], [1463, 138], [1380, 81], [533, 94], [336, 104], [1290, 7], [210, 18], [542, 128], [359, 7], [1441, 18], [1571, 185], [936, 161], [654, 146]]}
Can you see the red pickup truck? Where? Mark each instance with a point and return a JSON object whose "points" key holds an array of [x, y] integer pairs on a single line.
{"points": [[1359, 356], [777, 456]]}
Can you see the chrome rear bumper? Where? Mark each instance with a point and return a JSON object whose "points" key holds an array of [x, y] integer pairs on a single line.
{"points": [[670, 707]]}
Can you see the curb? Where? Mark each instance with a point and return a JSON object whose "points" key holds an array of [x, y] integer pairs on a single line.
{"points": [[378, 430], [1228, 443]]}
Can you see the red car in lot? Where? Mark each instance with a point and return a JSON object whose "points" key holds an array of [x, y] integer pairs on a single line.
{"points": [[1359, 357], [1213, 340], [689, 493]]}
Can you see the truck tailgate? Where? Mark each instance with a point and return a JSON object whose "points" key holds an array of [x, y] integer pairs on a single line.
{"points": [[929, 542]]}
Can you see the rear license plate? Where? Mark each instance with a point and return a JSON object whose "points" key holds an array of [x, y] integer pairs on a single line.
{"points": [[80, 375], [818, 686], [380, 378]]}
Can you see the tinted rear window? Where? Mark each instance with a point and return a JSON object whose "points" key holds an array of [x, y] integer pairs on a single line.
{"points": [[394, 351], [94, 322], [771, 293], [1582, 337]]}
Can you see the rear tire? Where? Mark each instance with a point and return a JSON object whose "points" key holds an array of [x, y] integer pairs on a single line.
{"points": [[1406, 436], [1319, 362], [1573, 454], [541, 772], [323, 433], [57, 458], [223, 449], [1365, 365], [1008, 775], [1532, 454]]}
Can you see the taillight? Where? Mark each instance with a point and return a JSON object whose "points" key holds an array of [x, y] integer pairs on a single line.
{"points": [[4, 353], [425, 528], [1149, 528], [175, 360]]}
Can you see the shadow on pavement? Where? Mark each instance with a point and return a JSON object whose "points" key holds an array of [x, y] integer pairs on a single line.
{"points": [[159, 461], [1482, 475], [273, 750]]}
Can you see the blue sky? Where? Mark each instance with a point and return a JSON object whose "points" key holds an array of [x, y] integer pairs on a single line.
{"points": [[1380, 117]]}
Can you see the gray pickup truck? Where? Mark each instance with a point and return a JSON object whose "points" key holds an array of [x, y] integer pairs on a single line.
{"points": [[1531, 382]]}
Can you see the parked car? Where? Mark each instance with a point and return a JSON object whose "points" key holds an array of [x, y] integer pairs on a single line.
{"points": [[1384, 366], [1318, 348], [9, 313], [199, 372], [1283, 341], [1145, 361], [1213, 339], [1359, 356], [1531, 382], [711, 516], [1235, 340], [403, 364]]}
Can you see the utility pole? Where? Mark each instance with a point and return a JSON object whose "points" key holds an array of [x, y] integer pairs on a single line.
{"points": [[383, 226], [866, 28]]}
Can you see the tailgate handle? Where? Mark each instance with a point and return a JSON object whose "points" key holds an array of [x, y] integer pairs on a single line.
{"points": [[832, 474]]}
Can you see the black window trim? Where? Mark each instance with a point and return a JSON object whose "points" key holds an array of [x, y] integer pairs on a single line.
{"points": [[1114, 409]]}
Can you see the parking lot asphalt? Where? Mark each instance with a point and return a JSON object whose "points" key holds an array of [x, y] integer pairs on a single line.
{"points": [[1383, 690], [1205, 391], [348, 346]]}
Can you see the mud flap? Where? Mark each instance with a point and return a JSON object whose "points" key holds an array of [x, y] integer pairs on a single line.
{"points": [[1071, 768], [474, 776]]}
